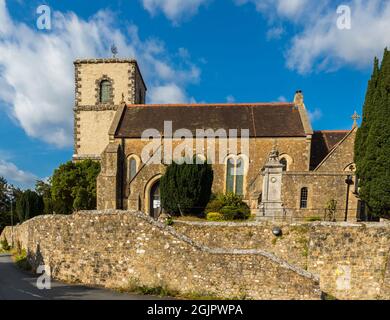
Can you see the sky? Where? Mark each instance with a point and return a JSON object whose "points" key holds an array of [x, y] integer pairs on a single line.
{"points": [[188, 51]]}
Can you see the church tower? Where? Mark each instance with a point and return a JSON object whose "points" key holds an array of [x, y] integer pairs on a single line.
{"points": [[101, 85]]}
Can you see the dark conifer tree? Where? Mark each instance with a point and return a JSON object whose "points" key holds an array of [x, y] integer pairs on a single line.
{"points": [[186, 188], [372, 149]]}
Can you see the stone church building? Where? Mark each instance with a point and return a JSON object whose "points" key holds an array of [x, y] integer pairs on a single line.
{"points": [[292, 172]]}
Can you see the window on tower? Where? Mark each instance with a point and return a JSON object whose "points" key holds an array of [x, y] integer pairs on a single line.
{"points": [[105, 91]]}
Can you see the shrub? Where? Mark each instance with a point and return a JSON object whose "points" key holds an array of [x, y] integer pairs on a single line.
{"points": [[235, 213], [330, 210], [229, 212], [230, 206], [186, 188], [21, 260], [4, 245], [214, 205], [214, 216], [169, 221]]}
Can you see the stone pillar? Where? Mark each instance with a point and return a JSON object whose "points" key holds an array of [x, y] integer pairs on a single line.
{"points": [[271, 201], [109, 179]]}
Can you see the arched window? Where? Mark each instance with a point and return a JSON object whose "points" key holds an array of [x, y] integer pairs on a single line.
{"points": [[240, 176], [230, 175], [235, 170], [283, 161], [105, 91], [304, 197], [132, 168]]}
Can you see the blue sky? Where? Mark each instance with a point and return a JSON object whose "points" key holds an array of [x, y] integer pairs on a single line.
{"points": [[193, 50]]}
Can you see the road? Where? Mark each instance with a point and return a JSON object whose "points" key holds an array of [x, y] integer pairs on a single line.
{"points": [[16, 284]]}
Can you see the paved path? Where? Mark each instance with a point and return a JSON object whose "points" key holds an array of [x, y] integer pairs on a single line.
{"points": [[16, 284]]}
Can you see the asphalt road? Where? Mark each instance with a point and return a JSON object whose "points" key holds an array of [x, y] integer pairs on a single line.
{"points": [[16, 284]]}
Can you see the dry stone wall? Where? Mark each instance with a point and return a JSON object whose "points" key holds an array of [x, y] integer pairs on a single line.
{"points": [[115, 249], [291, 246], [351, 259]]}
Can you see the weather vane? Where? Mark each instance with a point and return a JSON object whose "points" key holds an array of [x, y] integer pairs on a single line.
{"points": [[114, 50]]}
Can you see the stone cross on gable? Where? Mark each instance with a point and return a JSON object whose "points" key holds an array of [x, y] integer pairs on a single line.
{"points": [[355, 117]]}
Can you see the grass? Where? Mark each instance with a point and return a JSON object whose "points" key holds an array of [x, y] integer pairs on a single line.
{"points": [[162, 290], [189, 218], [20, 259], [327, 296], [4, 246]]}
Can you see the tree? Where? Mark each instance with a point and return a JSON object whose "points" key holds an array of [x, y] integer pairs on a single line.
{"points": [[4, 197], [8, 195], [372, 146], [28, 205], [44, 190], [74, 186], [186, 188]]}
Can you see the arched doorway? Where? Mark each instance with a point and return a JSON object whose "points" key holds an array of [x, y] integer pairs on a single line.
{"points": [[155, 200]]}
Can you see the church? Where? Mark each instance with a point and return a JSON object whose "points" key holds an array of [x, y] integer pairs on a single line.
{"points": [[292, 172]]}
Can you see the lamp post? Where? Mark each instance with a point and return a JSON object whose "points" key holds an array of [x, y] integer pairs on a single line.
{"points": [[349, 182]]}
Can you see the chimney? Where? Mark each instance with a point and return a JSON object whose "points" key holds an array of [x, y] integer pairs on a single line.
{"points": [[298, 99]]}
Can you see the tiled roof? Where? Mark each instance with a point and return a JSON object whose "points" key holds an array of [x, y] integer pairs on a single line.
{"points": [[262, 119], [323, 142]]}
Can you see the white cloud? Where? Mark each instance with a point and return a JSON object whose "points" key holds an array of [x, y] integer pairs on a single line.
{"points": [[275, 33], [290, 8], [286, 8], [174, 10], [282, 99], [15, 176], [167, 94], [315, 115], [322, 46], [37, 75], [316, 42]]}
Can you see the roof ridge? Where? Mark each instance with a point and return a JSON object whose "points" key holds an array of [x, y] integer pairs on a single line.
{"points": [[332, 130], [250, 104]]}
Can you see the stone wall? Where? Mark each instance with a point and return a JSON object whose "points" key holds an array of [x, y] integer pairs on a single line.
{"points": [[259, 148], [121, 72], [352, 260], [116, 249], [93, 129], [92, 120], [292, 246], [322, 187]]}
